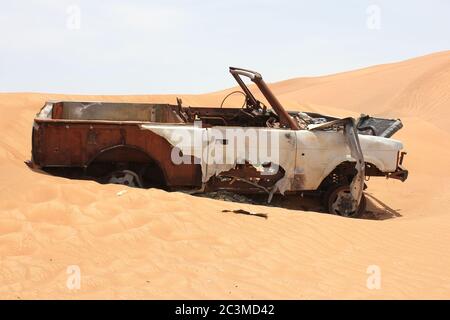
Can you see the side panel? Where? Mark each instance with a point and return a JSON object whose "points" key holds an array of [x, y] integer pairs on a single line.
{"points": [[267, 150], [77, 145], [319, 152], [315, 152]]}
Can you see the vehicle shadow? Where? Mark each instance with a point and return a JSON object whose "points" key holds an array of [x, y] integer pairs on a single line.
{"points": [[376, 209]]}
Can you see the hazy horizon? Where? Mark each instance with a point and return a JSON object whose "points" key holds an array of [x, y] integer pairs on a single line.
{"points": [[150, 47]]}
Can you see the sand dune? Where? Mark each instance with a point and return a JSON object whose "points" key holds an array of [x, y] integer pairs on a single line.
{"points": [[132, 243]]}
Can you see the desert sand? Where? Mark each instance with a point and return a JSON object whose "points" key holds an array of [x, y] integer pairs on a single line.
{"points": [[133, 243]]}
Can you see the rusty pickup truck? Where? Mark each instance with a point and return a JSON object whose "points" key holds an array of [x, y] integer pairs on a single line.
{"points": [[250, 149]]}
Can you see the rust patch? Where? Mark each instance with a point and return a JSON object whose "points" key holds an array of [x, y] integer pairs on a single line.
{"points": [[298, 181]]}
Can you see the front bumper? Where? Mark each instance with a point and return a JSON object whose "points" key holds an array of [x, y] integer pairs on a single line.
{"points": [[400, 173]]}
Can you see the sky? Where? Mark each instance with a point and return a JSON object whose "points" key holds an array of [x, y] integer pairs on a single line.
{"points": [[181, 46]]}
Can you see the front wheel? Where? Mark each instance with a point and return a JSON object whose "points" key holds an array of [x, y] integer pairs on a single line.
{"points": [[338, 200]]}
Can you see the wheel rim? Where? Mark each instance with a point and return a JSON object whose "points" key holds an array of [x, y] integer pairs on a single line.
{"points": [[125, 177], [343, 203]]}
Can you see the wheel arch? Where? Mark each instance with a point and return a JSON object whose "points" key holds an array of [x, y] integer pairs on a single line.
{"points": [[137, 153], [348, 163]]}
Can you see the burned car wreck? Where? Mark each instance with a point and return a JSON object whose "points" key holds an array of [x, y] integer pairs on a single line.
{"points": [[250, 150]]}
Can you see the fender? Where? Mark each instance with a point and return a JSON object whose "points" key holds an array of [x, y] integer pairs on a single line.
{"points": [[348, 158], [351, 135], [131, 148]]}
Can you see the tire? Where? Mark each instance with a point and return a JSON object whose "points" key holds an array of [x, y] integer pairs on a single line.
{"points": [[332, 205], [125, 177]]}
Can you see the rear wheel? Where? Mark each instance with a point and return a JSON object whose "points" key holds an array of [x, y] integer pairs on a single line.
{"points": [[125, 177], [338, 200], [127, 173]]}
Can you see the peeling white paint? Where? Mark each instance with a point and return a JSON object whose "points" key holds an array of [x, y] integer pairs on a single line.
{"points": [[308, 156], [207, 145], [191, 140]]}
